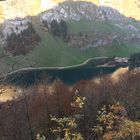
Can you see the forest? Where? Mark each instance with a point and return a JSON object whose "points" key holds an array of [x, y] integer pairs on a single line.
{"points": [[105, 108], [22, 43]]}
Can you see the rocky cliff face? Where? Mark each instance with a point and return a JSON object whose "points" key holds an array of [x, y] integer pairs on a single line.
{"points": [[93, 10], [129, 8], [102, 11], [83, 10], [14, 14], [20, 8]]}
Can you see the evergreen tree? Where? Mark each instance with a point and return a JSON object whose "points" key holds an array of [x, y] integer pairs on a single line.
{"points": [[55, 28], [63, 29]]}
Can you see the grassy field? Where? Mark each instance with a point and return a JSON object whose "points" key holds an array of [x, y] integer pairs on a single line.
{"points": [[89, 26], [53, 52]]}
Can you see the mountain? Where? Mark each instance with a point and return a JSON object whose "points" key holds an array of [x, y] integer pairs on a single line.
{"points": [[95, 28], [69, 69], [11, 8]]}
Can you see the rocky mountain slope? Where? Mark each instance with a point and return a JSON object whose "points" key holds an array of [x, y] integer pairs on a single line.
{"points": [[76, 11], [99, 10], [102, 27], [12, 8]]}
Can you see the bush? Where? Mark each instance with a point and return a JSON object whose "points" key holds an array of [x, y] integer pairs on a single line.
{"points": [[58, 29]]}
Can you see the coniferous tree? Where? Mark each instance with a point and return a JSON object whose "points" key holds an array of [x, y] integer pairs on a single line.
{"points": [[55, 28], [63, 29]]}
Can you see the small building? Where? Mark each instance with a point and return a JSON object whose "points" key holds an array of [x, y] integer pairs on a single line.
{"points": [[122, 60]]}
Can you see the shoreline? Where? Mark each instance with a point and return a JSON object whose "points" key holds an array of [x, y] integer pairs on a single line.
{"points": [[70, 74], [26, 69]]}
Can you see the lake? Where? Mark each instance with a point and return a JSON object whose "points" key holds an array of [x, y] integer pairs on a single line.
{"points": [[69, 75]]}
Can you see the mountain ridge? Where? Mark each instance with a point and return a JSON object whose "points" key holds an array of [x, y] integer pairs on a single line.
{"points": [[17, 8], [110, 38]]}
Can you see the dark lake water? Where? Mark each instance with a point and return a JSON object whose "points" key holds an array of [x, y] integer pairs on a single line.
{"points": [[68, 76]]}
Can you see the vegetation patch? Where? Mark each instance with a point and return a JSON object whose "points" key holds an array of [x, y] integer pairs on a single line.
{"points": [[58, 29], [23, 42], [55, 51]]}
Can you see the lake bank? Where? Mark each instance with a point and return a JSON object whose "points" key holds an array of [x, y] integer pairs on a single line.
{"points": [[69, 75]]}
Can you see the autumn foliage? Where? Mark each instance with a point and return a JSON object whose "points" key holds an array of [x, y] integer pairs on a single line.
{"points": [[115, 103]]}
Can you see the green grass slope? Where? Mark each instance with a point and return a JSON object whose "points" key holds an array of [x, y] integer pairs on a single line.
{"points": [[54, 52]]}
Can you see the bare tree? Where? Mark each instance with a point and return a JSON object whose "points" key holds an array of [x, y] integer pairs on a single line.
{"points": [[27, 114]]}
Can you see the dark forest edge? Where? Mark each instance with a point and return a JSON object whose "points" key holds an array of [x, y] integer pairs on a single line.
{"points": [[88, 110], [101, 65]]}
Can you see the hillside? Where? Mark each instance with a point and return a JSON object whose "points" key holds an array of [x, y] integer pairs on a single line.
{"points": [[105, 31], [11, 8], [26, 112], [69, 69]]}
